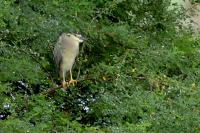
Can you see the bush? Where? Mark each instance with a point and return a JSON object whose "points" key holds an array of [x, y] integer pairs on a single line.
{"points": [[138, 73]]}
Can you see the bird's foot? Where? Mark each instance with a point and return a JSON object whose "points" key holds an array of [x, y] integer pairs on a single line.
{"points": [[73, 82], [65, 84]]}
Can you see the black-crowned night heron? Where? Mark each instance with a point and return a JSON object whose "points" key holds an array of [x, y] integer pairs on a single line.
{"points": [[65, 52]]}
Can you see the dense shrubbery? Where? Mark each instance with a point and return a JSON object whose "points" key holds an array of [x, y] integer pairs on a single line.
{"points": [[138, 73]]}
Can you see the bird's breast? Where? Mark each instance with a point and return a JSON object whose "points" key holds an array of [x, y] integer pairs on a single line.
{"points": [[68, 57]]}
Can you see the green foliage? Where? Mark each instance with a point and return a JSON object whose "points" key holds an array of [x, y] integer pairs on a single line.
{"points": [[195, 1], [138, 72]]}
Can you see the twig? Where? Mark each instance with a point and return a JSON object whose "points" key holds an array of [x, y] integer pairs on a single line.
{"points": [[79, 69], [52, 90]]}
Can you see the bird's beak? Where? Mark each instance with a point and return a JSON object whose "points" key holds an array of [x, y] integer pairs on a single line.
{"points": [[83, 38]]}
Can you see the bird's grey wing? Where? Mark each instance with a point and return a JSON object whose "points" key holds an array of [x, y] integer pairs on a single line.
{"points": [[57, 56]]}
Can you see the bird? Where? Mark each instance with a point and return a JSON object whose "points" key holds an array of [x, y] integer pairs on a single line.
{"points": [[65, 52]]}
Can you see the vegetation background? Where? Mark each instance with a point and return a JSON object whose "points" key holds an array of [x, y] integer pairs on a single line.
{"points": [[139, 71]]}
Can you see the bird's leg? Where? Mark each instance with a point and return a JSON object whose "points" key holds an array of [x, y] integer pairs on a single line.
{"points": [[64, 83], [72, 81]]}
